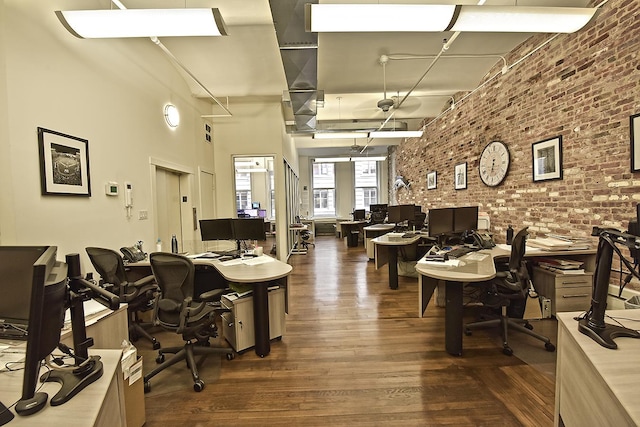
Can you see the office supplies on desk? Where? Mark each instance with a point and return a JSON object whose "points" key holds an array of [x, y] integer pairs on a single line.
{"points": [[460, 251]]}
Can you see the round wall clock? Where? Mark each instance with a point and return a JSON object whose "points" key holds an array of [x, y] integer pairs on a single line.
{"points": [[494, 163]]}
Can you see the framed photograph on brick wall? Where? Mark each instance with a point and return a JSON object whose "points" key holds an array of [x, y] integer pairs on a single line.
{"points": [[432, 180], [634, 131], [547, 159], [460, 176]]}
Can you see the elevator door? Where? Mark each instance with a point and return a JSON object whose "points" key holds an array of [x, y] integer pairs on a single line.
{"points": [[168, 204]]}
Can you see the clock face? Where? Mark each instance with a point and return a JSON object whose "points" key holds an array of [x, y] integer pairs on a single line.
{"points": [[494, 163]]}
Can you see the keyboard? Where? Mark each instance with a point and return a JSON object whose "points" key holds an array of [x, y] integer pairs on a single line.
{"points": [[461, 251]]}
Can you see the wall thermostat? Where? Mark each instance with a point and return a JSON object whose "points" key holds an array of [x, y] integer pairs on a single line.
{"points": [[111, 188]]}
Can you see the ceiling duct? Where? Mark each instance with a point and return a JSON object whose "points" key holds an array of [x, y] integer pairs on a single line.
{"points": [[352, 126], [299, 52]]}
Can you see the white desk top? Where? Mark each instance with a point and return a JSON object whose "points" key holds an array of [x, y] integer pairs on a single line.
{"points": [[479, 270], [379, 227], [82, 410], [395, 239], [617, 368]]}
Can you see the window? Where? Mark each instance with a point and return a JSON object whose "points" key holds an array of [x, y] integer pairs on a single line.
{"points": [[243, 190], [366, 184], [324, 189]]}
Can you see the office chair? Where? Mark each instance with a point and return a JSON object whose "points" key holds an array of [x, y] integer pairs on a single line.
{"points": [[509, 285], [178, 311], [139, 295]]}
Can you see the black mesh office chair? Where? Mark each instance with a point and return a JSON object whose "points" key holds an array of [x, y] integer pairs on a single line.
{"points": [[509, 285], [178, 311], [139, 295]]}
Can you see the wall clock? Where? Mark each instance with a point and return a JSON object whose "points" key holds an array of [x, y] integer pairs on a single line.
{"points": [[494, 163]]}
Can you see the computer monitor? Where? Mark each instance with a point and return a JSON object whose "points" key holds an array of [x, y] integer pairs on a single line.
{"points": [[216, 229], [378, 208], [48, 288], [255, 205], [250, 213], [248, 229], [16, 272], [440, 221], [465, 219], [401, 213], [358, 215]]}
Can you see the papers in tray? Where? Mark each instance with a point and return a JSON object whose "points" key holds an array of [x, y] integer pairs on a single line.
{"points": [[553, 244]]}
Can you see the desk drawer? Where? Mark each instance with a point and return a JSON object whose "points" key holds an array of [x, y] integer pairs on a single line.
{"points": [[571, 299], [567, 292]]}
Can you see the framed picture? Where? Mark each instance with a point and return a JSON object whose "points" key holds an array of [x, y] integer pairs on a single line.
{"points": [[432, 180], [64, 164], [547, 159], [634, 127], [460, 176]]}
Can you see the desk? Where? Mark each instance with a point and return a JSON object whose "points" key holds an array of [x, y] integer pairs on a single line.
{"points": [[346, 227], [259, 276], [100, 404], [596, 386], [386, 250], [373, 231], [473, 271]]}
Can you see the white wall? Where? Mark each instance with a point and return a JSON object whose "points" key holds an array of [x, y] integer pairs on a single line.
{"points": [[110, 92], [257, 129]]}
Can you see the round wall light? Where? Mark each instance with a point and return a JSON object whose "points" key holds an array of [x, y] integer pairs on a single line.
{"points": [[171, 115]]}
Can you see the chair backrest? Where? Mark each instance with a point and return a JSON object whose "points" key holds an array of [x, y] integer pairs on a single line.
{"points": [[108, 264], [518, 248], [175, 275]]}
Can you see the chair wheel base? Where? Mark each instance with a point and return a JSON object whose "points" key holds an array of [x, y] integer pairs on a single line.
{"points": [[507, 351], [549, 347], [147, 386], [156, 344], [198, 386]]}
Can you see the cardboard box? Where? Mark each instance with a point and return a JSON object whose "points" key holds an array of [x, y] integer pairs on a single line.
{"points": [[134, 395]]}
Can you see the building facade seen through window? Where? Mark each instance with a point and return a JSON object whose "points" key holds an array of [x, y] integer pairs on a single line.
{"points": [[366, 184], [324, 189]]}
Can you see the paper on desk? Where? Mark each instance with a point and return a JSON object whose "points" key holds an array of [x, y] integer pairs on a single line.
{"points": [[447, 263], [257, 260], [527, 250], [235, 261], [92, 310]]}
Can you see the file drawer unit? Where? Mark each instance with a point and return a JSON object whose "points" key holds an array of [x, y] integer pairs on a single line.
{"points": [[567, 292], [237, 325]]}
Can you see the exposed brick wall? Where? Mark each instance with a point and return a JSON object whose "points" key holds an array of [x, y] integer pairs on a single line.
{"points": [[583, 87]]}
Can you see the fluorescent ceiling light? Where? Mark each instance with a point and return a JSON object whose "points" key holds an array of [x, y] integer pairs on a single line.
{"points": [[377, 17], [437, 18], [369, 159], [522, 19], [396, 134], [116, 23], [349, 159], [332, 159], [249, 170], [340, 135]]}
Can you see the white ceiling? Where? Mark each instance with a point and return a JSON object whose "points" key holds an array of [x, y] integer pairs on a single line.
{"points": [[247, 62]]}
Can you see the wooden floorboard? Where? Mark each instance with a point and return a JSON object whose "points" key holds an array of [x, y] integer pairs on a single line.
{"points": [[355, 353]]}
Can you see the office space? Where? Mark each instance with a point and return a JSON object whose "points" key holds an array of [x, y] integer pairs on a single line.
{"points": [[36, 83]]}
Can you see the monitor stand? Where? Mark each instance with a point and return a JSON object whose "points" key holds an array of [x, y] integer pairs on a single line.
{"points": [[5, 414]]}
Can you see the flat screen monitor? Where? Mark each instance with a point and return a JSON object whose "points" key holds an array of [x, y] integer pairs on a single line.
{"points": [[216, 229], [255, 205], [46, 317], [16, 272], [440, 221], [378, 208], [252, 213], [465, 219], [358, 215], [248, 229], [400, 213]]}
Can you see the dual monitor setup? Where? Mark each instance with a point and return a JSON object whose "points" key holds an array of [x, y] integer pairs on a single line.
{"points": [[237, 229], [254, 212], [36, 289]]}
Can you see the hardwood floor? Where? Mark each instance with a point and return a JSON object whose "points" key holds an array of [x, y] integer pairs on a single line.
{"points": [[356, 354]]}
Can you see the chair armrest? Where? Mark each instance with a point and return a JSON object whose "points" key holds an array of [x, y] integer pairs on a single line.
{"points": [[144, 281], [212, 295]]}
